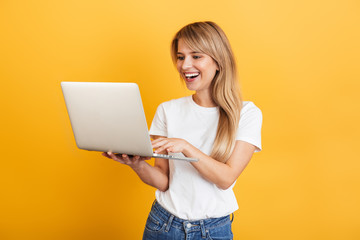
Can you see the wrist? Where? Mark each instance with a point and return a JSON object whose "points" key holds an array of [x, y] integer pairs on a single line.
{"points": [[187, 149], [138, 166]]}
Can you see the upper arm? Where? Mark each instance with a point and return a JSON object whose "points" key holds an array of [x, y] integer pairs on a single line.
{"points": [[250, 124], [248, 139], [240, 157], [161, 163]]}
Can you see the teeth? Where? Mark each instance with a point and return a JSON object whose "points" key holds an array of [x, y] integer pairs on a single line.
{"points": [[191, 75]]}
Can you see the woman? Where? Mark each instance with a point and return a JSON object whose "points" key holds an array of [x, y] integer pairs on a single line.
{"points": [[195, 200]]}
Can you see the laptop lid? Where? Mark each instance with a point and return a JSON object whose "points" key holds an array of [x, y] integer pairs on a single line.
{"points": [[107, 117]]}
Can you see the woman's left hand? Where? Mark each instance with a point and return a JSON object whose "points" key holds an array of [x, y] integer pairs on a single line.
{"points": [[171, 145]]}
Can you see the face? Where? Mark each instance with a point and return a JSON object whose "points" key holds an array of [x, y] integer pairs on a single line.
{"points": [[196, 68]]}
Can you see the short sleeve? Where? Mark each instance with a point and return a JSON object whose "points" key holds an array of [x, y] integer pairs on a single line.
{"points": [[250, 123], [158, 125]]}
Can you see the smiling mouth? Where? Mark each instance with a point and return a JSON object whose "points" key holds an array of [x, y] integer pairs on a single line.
{"points": [[191, 76]]}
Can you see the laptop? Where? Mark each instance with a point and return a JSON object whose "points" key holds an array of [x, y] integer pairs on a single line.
{"points": [[109, 116]]}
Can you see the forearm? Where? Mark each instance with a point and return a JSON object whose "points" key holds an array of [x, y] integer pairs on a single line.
{"points": [[217, 172], [152, 176], [212, 170]]}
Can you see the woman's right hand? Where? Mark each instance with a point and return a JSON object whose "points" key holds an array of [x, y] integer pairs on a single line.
{"points": [[131, 161], [156, 176]]}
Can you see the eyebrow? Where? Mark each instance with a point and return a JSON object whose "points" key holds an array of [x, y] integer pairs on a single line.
{"points": [[191, 52]]}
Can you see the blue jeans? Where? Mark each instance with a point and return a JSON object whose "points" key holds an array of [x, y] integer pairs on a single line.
{"points": [[162, 225]]}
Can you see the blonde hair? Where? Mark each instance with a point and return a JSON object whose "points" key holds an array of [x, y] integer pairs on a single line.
{"points": [[208, 37]]}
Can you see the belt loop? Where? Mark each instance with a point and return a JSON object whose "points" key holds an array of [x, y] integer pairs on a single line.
{"points": [[202, 227], [168, 224], [232, 219]]}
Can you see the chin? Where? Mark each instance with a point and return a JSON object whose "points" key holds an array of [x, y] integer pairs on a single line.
{"points": [[191, 87]]}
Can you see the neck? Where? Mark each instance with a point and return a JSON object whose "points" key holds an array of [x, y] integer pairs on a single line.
{"points": [[204, 99]]}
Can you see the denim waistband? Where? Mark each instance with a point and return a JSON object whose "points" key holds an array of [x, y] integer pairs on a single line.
{"points": [[197, 225]]}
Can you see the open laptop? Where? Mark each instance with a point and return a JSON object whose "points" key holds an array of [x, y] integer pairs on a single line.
{"points": [[110, 117]]}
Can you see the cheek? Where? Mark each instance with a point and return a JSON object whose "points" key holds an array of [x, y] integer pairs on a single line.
{"points": [[178, 67], [208, 69]]}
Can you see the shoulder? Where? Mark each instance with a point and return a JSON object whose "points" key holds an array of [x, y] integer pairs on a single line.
{"points": [[249, 108], [250, 125], [250, 115]]}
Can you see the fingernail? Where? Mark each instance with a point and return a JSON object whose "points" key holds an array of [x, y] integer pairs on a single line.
{"points": [[108, 153]]}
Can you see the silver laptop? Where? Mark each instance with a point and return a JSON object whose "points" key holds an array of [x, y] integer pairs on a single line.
{"points": [[110, 117]]}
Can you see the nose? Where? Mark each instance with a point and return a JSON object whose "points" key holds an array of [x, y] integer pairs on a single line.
{"points": [[187, 63]]}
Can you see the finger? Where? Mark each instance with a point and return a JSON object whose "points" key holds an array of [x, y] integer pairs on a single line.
{"points": [[160, 143], [105, 155], [110, 154], [144, 158], [157, 144], [157, 140], [120, 161], [170, 149], [160, 149], [115, 157], [126, 158], [164, 147]]}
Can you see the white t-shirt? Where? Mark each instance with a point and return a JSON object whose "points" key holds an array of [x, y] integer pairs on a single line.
{"points": [[190, 196]]}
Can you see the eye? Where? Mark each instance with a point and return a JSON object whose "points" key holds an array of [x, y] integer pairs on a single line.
{"points": [[196, 56], [180, 58]]}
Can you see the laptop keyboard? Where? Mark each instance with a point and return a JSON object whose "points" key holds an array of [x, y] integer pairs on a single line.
{"points": [[175, 156], [162, 155]]}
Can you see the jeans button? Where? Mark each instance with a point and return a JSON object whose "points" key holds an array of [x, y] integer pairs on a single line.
{"points": [[188, 225]]}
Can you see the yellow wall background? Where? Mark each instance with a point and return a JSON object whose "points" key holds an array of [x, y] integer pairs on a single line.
{"points": [[298, 61]]}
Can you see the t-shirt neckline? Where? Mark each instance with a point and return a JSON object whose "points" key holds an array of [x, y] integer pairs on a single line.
{"points": [[201, 108]]}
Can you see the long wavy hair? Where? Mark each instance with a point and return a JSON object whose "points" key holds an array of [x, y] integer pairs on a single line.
{"points": [[207, 37]]}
